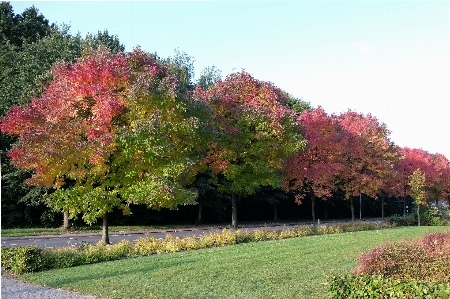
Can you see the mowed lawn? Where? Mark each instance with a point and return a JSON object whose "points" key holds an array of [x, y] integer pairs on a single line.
{"points": [[291, 268]]}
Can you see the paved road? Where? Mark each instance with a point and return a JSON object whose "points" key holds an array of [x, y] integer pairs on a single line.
{"points": [[74, 239], [114, 237]]}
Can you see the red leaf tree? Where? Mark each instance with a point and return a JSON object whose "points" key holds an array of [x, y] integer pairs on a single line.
{"points": [[315, 170], [439, 187], [109, 130], [411, 160], [368, 156]]}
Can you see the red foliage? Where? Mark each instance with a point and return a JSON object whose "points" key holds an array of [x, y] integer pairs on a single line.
{"points": [[368, 155], [434, 166], [427, 259], [318, 166], [73, 124]]}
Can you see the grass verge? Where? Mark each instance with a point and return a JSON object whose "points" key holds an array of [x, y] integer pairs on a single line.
{"points": [[27, 232], [290, 268]]}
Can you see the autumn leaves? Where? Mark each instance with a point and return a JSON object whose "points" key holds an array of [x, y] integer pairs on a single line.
{"points": [[115, 129]]}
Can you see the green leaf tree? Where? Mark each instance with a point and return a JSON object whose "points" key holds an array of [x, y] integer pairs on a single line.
{"points": [[253, 133], [25, 28], [417, 183], [208, 77]]}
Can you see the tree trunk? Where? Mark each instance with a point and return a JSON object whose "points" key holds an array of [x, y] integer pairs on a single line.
{"points": [[233, 211], [66, 223], [352, 207], [404, 202], [418, 215], [200, 211], [404, 206], [275, 211], [105, 235], [382, 207], [313, 210], [325, 210]]}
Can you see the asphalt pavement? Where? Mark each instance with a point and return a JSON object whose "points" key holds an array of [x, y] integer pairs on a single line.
{"points": [[66, 240]]}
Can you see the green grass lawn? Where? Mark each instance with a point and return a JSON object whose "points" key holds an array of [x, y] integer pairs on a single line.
{"points": [[290, 268]]}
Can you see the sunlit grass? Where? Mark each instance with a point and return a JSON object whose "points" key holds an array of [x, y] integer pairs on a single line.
{"points": [[290, 268]]}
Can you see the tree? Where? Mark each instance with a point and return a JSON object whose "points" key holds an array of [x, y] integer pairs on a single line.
{"points": [[254, 132], [368, 156], [103, 39], [182, 66], [112, 128], [417, 183], [25, 28], [208, 77], [411, 160], [30, 47], [315, 171], [439, 187], [208, 195]]}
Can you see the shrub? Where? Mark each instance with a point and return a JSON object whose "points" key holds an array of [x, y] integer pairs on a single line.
{"points": [[404, 269], [399, 220], [32, 258], [426, 259], [435, 215], [146, 246], [377, 287], [22, 259], [63, 257]]}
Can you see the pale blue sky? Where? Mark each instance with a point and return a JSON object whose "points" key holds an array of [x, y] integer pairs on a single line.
{"points": [[389, 58]]}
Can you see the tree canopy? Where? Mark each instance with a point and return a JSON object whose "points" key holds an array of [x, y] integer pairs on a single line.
{"points": [[254, 131], [113, 130]]}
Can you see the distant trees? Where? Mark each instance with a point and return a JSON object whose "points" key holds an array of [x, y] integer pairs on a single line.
{"points": [[350, 151], [24, 28], [368, 157]]}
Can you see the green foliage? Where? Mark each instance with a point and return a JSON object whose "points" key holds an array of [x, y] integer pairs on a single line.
{"points": [[22, 259], [377, 287], [435, 216], [298, 105], [429, 216], [182, 66], [19, 29], [400, 220], [208, 77], [103, 39], [31, 259]]}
